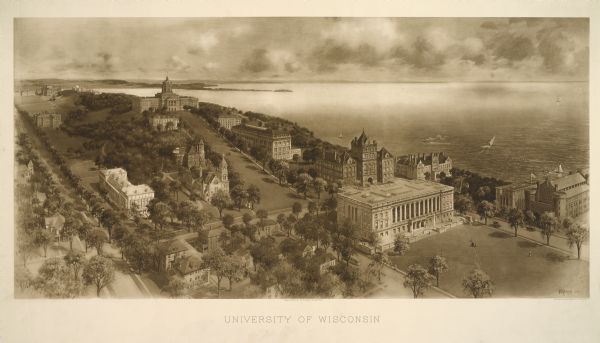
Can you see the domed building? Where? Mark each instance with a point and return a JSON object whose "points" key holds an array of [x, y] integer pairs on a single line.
{"points": [[166, 100]]}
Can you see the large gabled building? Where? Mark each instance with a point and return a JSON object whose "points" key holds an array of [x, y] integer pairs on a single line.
{"points": [[565, 196], [124, 194]]}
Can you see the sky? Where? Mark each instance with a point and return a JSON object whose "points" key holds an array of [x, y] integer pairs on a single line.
{"points": [[303, 49]]}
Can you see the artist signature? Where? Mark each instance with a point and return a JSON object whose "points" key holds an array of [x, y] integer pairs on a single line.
{"points": [[566, 291]]}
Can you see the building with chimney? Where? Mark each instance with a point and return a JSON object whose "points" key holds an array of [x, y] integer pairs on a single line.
{"points": [[565, 196]]}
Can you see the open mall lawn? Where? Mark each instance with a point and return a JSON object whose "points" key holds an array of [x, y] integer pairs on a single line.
{"points": [[547, 273], [273, 196]]}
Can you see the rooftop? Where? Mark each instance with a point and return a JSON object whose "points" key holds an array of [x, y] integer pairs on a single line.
{"points": [[174, 246], [189, 264], [517, 186], [396, 190]]}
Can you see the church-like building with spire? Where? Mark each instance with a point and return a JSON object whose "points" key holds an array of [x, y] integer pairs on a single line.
{"points": [[165, 100]]}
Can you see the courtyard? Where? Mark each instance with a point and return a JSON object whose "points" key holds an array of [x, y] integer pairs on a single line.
{"points": [[518, 267]]}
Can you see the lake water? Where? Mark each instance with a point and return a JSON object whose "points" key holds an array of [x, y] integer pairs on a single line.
{"points": [[537, 125]]}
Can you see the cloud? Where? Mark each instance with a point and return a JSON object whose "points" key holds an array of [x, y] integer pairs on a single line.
{"points": [[203, 43], [102, 63], [177, 64], [513, 48], [330, 54], [489, 25], [559, 53], [257, 61], [421, 55]]}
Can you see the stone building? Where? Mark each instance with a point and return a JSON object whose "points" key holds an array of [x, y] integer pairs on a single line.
{"points": [[172, 251], [229, 120], [190, 156], [423, 167], [192, 270], [47, 90], [164, 123], [410, 208], [513, 195], [165, 100], [209, 182], [124, 194], [362, 165], [278, 144], [565, 196], [48, 120], [334, 166]]}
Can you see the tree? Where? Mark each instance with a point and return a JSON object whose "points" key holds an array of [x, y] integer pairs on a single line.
{"points": [[239, 196], [99, 271], [159, 211], [332, 189], [281, 220], [25, 246], [175, 187], [463, 203], [227, 221], [483, 192], [83, 232], [70, 228], [215, 261], [233, 270], [75, 260], [515, 219], [401, 245], [437, 266], [55, 280], [247, 218], [530, 217], [577, 234], [262, 214], [43, 238], [486, 210], [303, 184], [417, 279], [319, 186], [175, 288], [23, 278], [548, 223], [296, 209], [137, 252], [220, 200], [478, 284], [109, 219], [377, 264], [253, 195], [96, 239], [265, 253]]}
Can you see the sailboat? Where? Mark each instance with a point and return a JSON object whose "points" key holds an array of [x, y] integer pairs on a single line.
{"points": [[341, 136], [558, 99], [490, 144]]}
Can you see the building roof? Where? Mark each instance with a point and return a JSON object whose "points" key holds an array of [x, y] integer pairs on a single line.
{"points": [[174, 246], [568, 181], [117, 178], [426, 159], [517, 186], [263, 131], [396, 190], [341, 157], [383, 153], [55, 222], [575, 191]]}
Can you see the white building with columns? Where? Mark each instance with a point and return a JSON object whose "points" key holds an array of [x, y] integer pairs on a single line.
{"points": [[409, 208]]}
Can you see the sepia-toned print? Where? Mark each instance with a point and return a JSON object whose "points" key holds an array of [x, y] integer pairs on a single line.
{"points": [[301, 157]]}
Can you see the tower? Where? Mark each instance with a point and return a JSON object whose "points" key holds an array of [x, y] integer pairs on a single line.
{"points": [[365, 154], [167, 85], [223, 173]]}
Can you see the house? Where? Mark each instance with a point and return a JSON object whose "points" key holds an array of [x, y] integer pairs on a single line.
{"points": [[324, 261], [171, 251], [209, 182], [192, 270], [55, 224]]}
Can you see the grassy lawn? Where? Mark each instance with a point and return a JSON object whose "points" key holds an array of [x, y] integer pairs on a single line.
{"points": [[274, 196], [505, 259]]}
